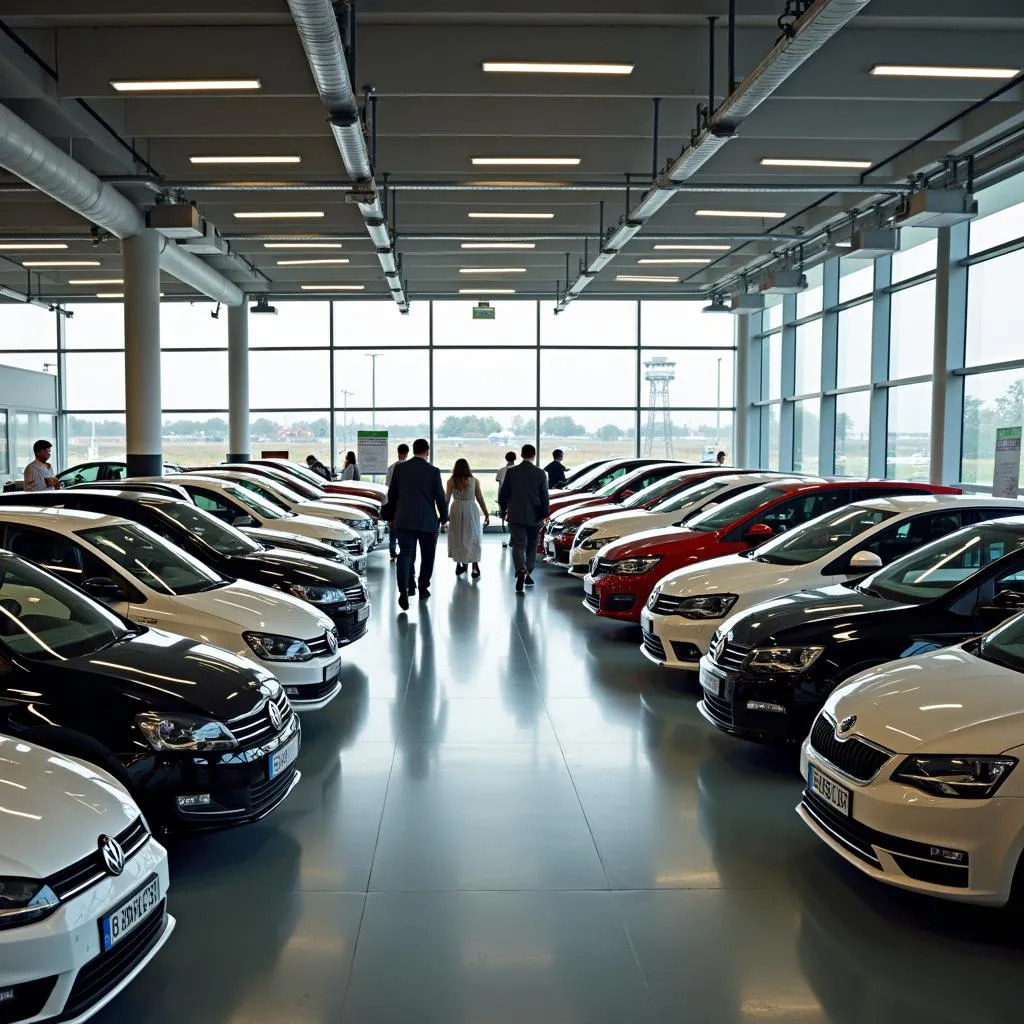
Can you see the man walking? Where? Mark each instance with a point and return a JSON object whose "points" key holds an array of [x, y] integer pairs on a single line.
{"points": [[419, 506], [555, 470], [523, 500], [403, 454]]}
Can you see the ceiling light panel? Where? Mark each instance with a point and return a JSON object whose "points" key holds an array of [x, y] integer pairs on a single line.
{"points": [[492, 270], [499, 245], [851, 165], [32, 246], [758, 214], [486, 215], [312, 263], [942, 71], [302, 245], [677, 260], [245, 159], [332, 287], [692, 248], [536, 67], [60, 263], [278, 214], [526, 161], [187, 85], [646, 279], [487, 291], [96, 280]]}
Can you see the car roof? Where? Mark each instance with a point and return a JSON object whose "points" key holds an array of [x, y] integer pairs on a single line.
{"points": [[904, 504], [136, 497], [60, 520]]}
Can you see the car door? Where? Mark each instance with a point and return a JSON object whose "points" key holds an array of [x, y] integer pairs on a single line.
{"points": [[87, 473], [790, 512]]}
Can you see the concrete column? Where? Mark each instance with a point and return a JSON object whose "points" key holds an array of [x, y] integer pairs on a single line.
{"points": [[238, 383], [744, 395], [141, 254]]}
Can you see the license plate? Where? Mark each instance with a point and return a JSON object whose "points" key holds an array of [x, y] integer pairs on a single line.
{"points": [[646, 622], [710, 682], [284, 758], [363, 613], [120, 923], [588, 585], [830, 791]]}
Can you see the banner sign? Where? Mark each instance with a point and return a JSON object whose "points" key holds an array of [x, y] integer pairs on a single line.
{"points": [[1006, 471], [372, 451]]}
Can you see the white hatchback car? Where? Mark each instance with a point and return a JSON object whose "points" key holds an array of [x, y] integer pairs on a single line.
{"points": [[913, 773], [689, 604], [147, 579], [83, 887]]}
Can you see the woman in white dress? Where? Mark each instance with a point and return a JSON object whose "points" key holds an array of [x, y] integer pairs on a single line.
{"points": [[466, 503]]}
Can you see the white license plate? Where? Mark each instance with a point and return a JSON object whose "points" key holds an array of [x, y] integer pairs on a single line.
{"points": [[588, 585], [121, 922], [710, 682], [830, 791], [363, 613], [284, 758]]}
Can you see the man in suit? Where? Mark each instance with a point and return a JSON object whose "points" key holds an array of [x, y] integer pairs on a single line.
{"points": [[418, 508], [523, 500]]}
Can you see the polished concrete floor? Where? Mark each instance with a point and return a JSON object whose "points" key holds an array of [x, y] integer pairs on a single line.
{"points": [[512, 818]]}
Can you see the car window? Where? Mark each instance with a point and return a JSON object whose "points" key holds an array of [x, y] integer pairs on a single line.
{"points": [[59, 554], [1004, 645], [206, 528], [80, 474], [734, 507], [254, 503], [914, 533], [264, 492], [653, 493], [214, 505], [112, 471], [816, 539]]}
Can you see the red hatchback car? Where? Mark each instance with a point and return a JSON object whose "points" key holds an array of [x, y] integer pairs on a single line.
{"points": [[623, 574]]}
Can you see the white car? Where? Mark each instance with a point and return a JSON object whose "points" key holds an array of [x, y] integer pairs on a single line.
{"points": [[689, 604], [607, 529], [83, 887], [913, 770], [148, 580]]}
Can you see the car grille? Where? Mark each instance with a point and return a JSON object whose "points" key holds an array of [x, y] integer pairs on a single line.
{"points": [[720, 710], [86, 872], [350, 630], [321, 646], [732, 656], [255, 728], [593, 600], [265, 796], [356, 594], [854, 758], [653, 645], [666, 604], [353, 547], [109, 969]]}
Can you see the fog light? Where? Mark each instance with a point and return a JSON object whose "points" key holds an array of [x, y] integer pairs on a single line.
{"points": [[760, 705], [195, 800], [292, 691], [952, 856]]}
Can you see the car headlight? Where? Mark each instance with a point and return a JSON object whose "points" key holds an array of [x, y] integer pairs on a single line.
{"points": [[597, 542], [339, 544], [271, 647], [318, 595], [362, 524], [713, 606], [587, 531], [184, 732], [784, 659], [635, 566], [966, 777], [570, 530], [24, 900]]}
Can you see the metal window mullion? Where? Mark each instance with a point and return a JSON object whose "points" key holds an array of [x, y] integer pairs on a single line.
{"points": [[333, 419], [951, 349], [829, 365], [639, 381], [430, 374], [62, 385], [788, 384], [536, 417], [878, 425]]}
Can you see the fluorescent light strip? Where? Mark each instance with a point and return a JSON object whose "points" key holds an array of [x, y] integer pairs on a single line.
{"points": [[186, 85], [678, 260], [526, 161], [60, 263], [302, 245], [759, 214], [31, 246], [332, 287], [536, 67], [245, 159], [941, 71], [492, 270], [310, 263], [853, 165], [115, 295], [96, 280], [487, 291], [278, 214], [646, 279], [499, 245], [693, 248], [483, 215]]}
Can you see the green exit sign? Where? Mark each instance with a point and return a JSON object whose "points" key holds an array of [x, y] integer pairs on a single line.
{"points": [[483, 312]]}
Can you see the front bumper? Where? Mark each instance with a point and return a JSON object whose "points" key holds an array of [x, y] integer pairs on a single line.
{"points": [[556, 549], [310, 685], [56, 969], [675, 642], [893, 833], [617, 597], [350, 621]]}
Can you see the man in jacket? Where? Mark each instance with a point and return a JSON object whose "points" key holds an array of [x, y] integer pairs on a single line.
{"points": [[523, 500], [418, 508], [403, 454], [555, 470]]}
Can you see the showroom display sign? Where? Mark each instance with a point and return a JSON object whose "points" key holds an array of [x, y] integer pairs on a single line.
{"points": [[372, 451], [1006, 470]]}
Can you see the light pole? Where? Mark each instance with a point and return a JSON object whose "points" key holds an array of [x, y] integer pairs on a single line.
{"points": [[718, 403], [344, 416], [373, 386]]}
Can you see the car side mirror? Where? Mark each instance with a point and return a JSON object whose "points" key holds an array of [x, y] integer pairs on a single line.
{"points": [[103, 588], [240, 521], [864, 561], [758, 534], [1009, 601]]}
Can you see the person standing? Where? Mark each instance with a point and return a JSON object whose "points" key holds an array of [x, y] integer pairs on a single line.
{"points": [[555, 470], [510, 461], [403, 454], [465, 534], [39, 475], [720, 459], [523, 500], [419, 508], [318, 467], [350, 471]]}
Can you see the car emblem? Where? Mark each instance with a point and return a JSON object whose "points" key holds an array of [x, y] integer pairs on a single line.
{"points": [[275, 715], [718, 648], [847, 723], [112, 853], [332, 641]]}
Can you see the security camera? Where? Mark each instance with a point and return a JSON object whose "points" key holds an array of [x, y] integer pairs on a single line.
{"points": [[262, 306]]}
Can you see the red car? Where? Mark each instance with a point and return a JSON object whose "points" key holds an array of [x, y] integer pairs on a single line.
{"points": [[623, 574], [354, 487], [603, 473], [618, 489]]}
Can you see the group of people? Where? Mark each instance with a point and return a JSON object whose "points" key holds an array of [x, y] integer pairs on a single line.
{"points": [[349, 469], [418, 506]]}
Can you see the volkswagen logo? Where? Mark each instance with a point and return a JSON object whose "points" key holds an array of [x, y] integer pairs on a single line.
{"points": [[847, 723], [113, 855], [332, 641], [275, 716], [718, 647]]}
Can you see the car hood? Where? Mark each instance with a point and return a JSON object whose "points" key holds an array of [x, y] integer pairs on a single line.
{"points": [[313, 526], [618, 524], [54, 809], [584, 513], [272, 538], [731, 574], [332, 511], [296, 567], [944, 702], [674, 539]]}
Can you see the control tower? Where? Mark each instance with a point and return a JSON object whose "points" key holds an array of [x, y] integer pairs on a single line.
{"points": [[659, 372]]}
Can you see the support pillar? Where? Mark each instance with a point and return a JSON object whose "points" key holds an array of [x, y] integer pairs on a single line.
{"points": [[238, 383], [744, 394], [143, 410]]}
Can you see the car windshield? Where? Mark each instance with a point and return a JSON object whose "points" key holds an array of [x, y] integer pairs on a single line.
{"points": [[653, 493], [301, 490], [1004, 645], [592, 478], [609, 489], [734, 508], [818, 538], [693, 495], [269, 490], [208, 529], [151, 560], [43, 618], [929, 572], [255, 502], [294, 469]]}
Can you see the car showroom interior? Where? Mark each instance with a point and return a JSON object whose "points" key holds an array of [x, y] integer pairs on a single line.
{"points": [[511, 512]]}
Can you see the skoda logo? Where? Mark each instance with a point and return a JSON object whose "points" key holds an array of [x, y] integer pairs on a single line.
{"points": [[718, 647], [113, 855], [275, 715], [847, 723]]}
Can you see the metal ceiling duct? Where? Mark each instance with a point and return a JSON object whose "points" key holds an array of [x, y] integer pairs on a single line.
{"points": [[318, 30], [33, 158], [810, 33]]}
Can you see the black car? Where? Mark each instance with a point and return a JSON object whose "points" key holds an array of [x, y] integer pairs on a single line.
{"points": [[337, 591], [770, 668], [200, 738]]}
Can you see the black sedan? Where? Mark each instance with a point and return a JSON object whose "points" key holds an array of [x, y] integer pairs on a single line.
{"points": [[337, 591], [770, 668], [200, 738]]}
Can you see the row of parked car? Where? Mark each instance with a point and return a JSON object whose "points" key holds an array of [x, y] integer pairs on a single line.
{"points": [[159, 640], [879, 624]]}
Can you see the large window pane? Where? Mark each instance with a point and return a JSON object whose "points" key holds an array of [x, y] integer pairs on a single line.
{"points": [[194, 380], [809, 301], [806, 418], [380, 324], [854, 357], [853, 417], [991, 400], [994, 329], [912, 331], [696, 435], [25, 326], [296, 324], [402, 378], [918, 253], [590, 324], [683, 323], [482, 438], [514, 323], [772, 425], [94, 437], [195, 441], [591, 434], [856, 278], [401, 425], [772, 312], [191, 325], [700, 378], [997, 228], [95, 325], [600, 377], [908, 437], [771, 350], [29, 427], [95, 380], [289, 380], [808, 358], [41, 362], [483, 377], [297, 433]]}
